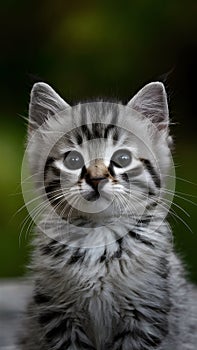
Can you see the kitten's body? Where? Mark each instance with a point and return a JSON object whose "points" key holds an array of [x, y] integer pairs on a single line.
{"points": [[109, 279]]}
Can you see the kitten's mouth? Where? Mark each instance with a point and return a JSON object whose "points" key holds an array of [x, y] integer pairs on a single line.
{"points": [[92, 196], [97, 190]]}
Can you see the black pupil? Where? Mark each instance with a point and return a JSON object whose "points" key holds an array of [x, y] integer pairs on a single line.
{"points": [[73, 160], [121, 158]]}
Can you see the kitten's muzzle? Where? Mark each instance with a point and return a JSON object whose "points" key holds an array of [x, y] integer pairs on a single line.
{"points": [[96, 182], [97, 174]]}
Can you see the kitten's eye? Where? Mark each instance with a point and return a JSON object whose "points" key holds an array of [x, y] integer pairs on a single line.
{"points": [[73, 160], [121, 158]]}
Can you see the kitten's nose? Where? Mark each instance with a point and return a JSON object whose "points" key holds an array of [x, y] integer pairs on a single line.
{"points": [[97, 174], [96, 182]]}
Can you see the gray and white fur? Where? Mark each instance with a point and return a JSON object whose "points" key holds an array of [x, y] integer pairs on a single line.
{"points": [[105, 273]]}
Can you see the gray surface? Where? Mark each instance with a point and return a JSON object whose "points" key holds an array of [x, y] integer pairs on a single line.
{"points": [[14, 295]]}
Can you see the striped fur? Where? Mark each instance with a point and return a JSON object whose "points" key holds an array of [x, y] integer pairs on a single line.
{"points": [[106, 276]]}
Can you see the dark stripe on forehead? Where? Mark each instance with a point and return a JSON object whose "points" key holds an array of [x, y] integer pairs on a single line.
{"points": [[84, 127], [79, 138], [98, 130], [95, 131], [149, 167], [113, 129], [86, 132]]}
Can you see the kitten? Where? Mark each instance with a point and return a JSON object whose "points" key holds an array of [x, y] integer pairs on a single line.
{"points": [[106, 276]]}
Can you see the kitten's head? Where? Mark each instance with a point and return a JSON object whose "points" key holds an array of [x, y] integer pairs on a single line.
{"points": [[99, 160]]}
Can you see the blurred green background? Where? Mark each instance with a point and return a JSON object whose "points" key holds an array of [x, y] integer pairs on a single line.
{"points": [[88, 49]]}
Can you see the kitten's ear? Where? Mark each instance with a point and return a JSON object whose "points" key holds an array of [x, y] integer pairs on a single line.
{"points": [[151, 101], [44, 102]]}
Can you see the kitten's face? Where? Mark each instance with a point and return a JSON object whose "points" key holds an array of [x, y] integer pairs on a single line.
{"points": [[98, 177], [99, 160]]}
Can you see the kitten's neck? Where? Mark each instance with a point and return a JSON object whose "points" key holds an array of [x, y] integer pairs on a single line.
{"points": [[91, 233]]}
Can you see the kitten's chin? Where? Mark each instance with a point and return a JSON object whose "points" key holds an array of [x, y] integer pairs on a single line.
{"points": [[94, 208], [97, 196], [92, 196], [96, 205]]}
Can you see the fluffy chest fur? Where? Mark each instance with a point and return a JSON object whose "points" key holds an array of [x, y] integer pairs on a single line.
{"points": [[106, 289]]}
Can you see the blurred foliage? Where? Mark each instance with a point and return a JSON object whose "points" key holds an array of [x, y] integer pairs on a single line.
{"points": [[96, 49]]}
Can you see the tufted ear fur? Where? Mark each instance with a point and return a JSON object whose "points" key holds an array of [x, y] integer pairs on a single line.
{"points": [[151, 101], [44, 103]]}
